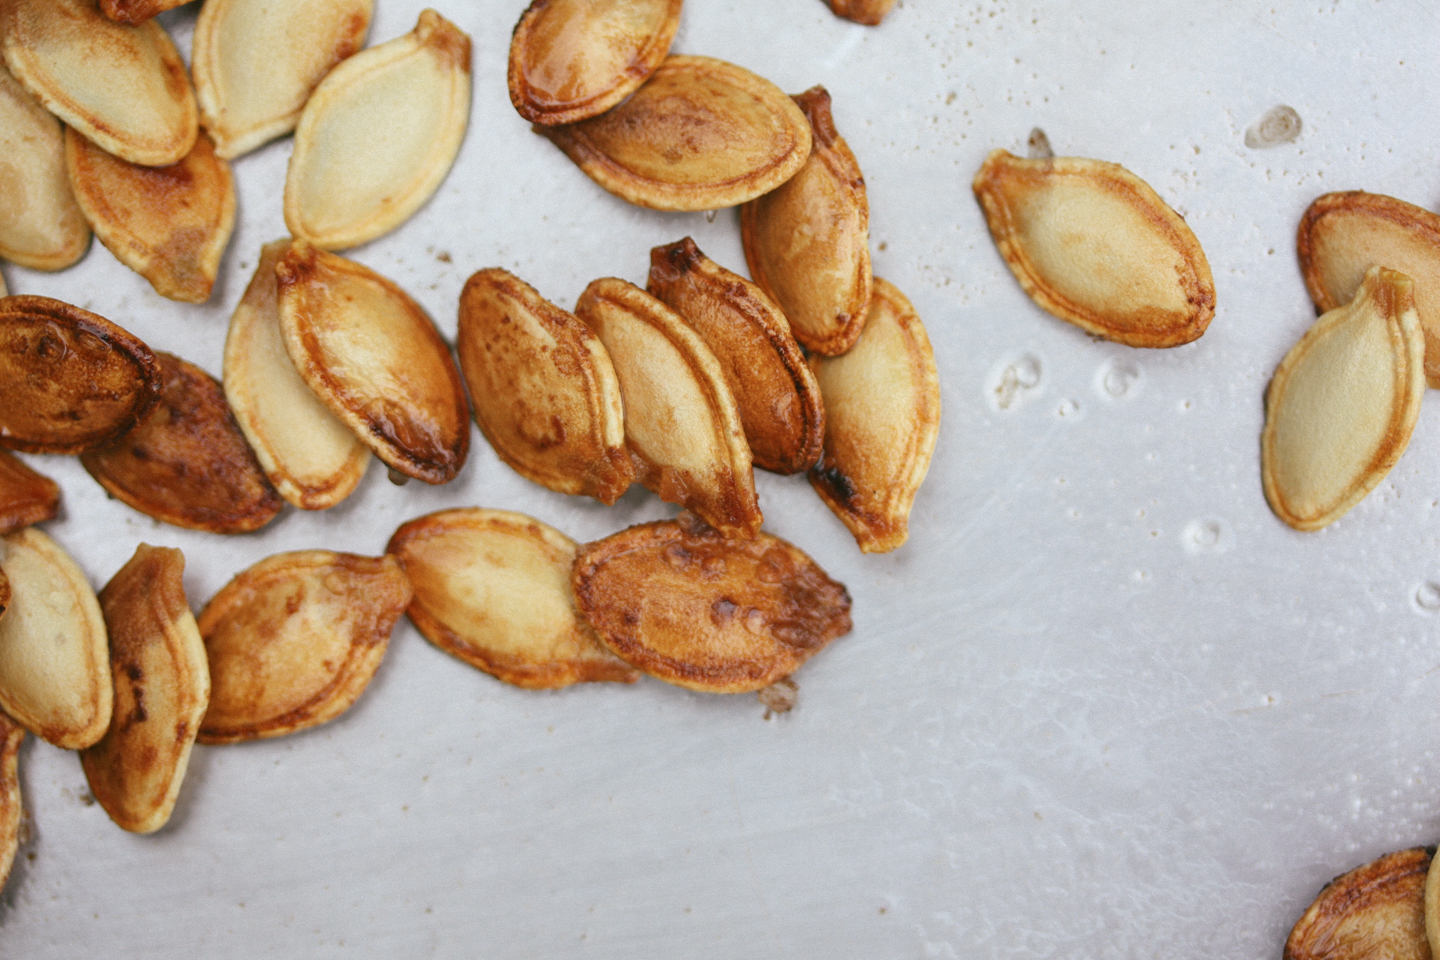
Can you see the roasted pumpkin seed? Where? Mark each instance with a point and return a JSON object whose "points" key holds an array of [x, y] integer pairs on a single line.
{"points": [[1342, 404], [188, 463], [124, 87], [162, 685], [137, 11], [868, 12], [543, 389], [26, 497], [493, 589], [256, 63], [40, 225], [571, 60], [1430, 898], [882, 410], [374, 358], [681, 602], [779, 402], [307, 453], [414, 92], [11, 809], [1342, 235], [69, 379], [293, 641], [169, 224], [54, 662], [1093, 244], [681, 421], [807, 242], [700, 134], [1376, 910]]}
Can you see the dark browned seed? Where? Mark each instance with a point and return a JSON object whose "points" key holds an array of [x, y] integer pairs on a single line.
{"points": [[1375, 910], [26, 496]]}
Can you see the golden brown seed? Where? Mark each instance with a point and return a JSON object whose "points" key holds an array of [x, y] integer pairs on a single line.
{"points": [[169, 224], [54, 661], [188, 463], [574, 59], [1375, 910], [11, 809], [544, 391], [681, 602], [779, 402], [700, 134], [136, 11], [162, 685], [868, 12], [26, 497], [255, 63], [307, 453], [69, 379], [1093, 244], [1343, 235], [124, 87], [681, 421], [807, 242], [493, 588], [294, 640], [374, 358], [40, 225], [379, 135], [1342, 404], [882, 409]]}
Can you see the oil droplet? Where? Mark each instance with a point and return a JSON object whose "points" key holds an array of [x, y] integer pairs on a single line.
{"points": [[1120, 380], [398, 478], [1207, 535], [1039, 145], [1014, 380], [1427, 597], [710, 215], [1069, 409], [1279, 125]]}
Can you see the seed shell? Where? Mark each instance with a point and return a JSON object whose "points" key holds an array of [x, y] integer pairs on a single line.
{"points": [[493, 589], [1093, 244], [412, 95], [11, 809], [293, 641], [256, 63], [779, 401], [1342, 404], [188, 463], [682, 603], [681, 421], [699, 135], [373, 357], [124, 87], [26, 497], [807, 242], [1375, 910], [571, 60], [42, 228], [69, 379], [543, 389], [882, 408], [54, 660], [162, 685]]}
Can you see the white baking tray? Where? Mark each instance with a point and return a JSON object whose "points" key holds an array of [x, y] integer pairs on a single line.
{"points": [[1102, 703]]}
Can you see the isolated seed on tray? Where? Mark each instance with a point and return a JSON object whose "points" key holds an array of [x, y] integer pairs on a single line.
{"points": [[1093, 244], [807, 242], [137, 11], [1342, 235], [188, 463], [69, 379], [54, 659], [256, 62], [26, 497], [311, 458], [293, 641], [543, 388], [169, 224], [374, 358], [699, 135], [882, 415], [493, 589], [868, 12], [43, 228], [11, 809], [412, 95], [162, 685], [779, 402], [1342, 404], [1376, 910], [681, 602], [123, 87], [681, 421], [571, 60]]}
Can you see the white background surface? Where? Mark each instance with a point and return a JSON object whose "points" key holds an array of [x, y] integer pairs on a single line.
{"points": [[1103, 703]]}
